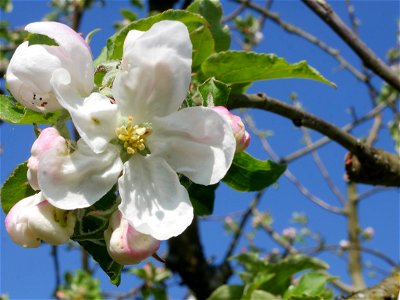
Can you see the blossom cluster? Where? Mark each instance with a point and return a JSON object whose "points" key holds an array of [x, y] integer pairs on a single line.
{"points": [[140, 139]]}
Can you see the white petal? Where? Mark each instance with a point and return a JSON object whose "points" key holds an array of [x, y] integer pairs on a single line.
{"points": [[131, 38], [80, 179], [196, 142], [155, 72], [28, 77], [75, 52], [153, 200], [95, 117]]}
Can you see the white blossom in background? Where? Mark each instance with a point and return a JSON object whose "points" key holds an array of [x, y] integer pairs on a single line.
{"points": [[289, 233], [33, 219], [48, 139], [125, 245], [242, 137], [141, 134], [31, 67]]}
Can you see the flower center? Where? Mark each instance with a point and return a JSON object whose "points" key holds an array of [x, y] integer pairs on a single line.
{"points": [[133, 136]]}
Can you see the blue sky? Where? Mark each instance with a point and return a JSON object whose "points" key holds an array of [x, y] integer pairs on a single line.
{"points": [[24, 270]]}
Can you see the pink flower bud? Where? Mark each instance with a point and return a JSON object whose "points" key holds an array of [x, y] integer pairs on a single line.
{"points": [[48, 139], [239, 131], [289, 233], [126, 245], [33, 219], [368, 233]]}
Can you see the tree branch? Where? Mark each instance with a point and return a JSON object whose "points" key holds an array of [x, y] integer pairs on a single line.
{"points": [[370, 60], [186, 258], [364, 164]]}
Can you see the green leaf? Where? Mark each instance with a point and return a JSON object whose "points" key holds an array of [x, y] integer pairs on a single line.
{"points": [[214, 90], [242, 67], [191, 20], [250, 174], [15, 188], [261, 295], [203, 45], [12, 112], [40, 39], [227, 292], [6, 5], [202, 198], [128, 14], [89, 233], [211, 10], [311, 285]]}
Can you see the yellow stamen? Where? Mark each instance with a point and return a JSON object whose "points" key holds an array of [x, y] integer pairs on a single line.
{"points": [[133, 136]]}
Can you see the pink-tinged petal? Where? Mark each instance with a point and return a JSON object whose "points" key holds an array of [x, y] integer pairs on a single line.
{"points": [[16, 222], [48, 139], [153, 200], [196, 142], [77, 180], [95, 117], [125, 245], [155, 72], [75, 54]]}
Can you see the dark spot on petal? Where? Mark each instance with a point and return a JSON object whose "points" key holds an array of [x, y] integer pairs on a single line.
{"points": [[96, 121]]}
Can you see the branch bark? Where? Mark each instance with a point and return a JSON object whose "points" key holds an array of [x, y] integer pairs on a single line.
{"points": [[369, 58], [364, 164], [186, 258]]}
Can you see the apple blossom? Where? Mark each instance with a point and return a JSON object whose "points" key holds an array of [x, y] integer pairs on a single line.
{"points": [[125, 245], [289, 233], [48, 139], [33, 219], [31, 67], [242, 137], [143, 135]]}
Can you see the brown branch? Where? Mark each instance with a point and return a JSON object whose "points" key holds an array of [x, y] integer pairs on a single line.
{"points": [[369, 58], [365, 164]]}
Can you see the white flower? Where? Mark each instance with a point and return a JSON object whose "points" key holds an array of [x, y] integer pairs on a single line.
{"points": [[126, 245], [143, 135], [31, 67], [48, 139], [33, 219]]}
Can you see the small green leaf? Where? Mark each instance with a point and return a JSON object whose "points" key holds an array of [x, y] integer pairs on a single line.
{"points": [[211, 10], [261, 295], [250, 174], [6, 5], [15, 188], [227, 292], [311, 285], [203, 45], [40, 39], [12, 112], [202, 198], [90, 35], [243, 67], [216, 89], [128, 14]]}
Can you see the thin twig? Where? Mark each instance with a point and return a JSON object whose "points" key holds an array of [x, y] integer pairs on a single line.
{"points": [[305, 35], [235, 13], [322, 168], [56, 262], [369, 58], [267, 147], [323, 141], [242, 223]]}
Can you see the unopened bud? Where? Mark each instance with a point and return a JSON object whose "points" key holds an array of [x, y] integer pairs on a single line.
{"points": [[125, 245], [368, 233], [48, 139], [344, 244], [242, 137], [33, 220], [289, 233]]}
